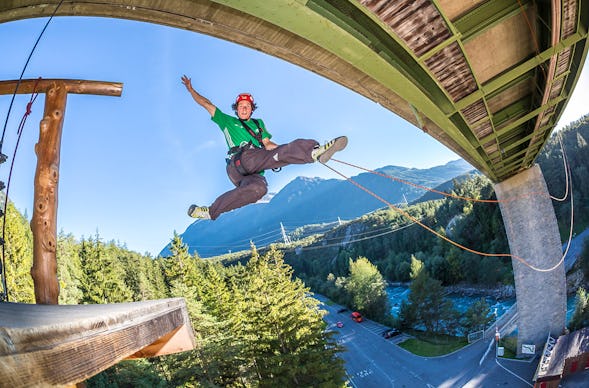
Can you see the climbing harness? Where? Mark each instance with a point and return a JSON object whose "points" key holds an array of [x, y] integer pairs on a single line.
{"points": [[234, 158], [236, 151], [255, 135]]}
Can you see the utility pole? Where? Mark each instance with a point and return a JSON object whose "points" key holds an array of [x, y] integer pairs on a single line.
{"points": [[284, 235]]}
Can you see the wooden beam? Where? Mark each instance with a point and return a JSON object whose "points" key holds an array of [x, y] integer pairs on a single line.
{"points": [[56, 345], [27, 86]]}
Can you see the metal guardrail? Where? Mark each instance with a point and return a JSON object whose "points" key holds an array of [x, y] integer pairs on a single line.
{"points": [[503, 323]]}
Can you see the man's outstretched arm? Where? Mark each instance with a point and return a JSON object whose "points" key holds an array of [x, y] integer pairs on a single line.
{"points": [[200, 100]]}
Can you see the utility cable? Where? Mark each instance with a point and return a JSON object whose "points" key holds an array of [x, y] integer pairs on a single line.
{"points": [[4, 294], [19, 132], [351, 241], [23, 72]]}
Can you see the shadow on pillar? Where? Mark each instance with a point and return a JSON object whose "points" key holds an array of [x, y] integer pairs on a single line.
{"points": [[532, 231]]}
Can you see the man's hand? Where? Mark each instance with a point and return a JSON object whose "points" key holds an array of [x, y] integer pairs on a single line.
{"points": [[200, 100], [269, 144], [187, 82]]}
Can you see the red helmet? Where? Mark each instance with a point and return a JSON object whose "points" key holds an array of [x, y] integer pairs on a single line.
{"points": [[244, 97]]}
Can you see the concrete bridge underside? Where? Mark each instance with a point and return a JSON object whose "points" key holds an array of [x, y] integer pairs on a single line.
{"points": [[488, 79]]}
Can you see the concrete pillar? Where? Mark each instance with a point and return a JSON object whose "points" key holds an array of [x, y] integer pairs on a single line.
{"points": [[532, 231]]}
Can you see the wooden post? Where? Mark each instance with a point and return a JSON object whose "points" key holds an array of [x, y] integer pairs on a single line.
{"points": [[44, 221]]}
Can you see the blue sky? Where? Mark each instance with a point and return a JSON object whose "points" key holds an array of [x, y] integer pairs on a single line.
{"points": [[131, 165]]}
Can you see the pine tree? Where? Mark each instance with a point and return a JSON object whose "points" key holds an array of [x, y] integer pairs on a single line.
{"points": [[180, 265], [154, 277], [142, 275], [285, 335], [426, 304], [104, 275], [208, 299], [18, 257], [69, 270]]}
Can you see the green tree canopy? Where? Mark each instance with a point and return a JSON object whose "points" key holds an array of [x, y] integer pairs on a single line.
{"points": [[367, 288]]}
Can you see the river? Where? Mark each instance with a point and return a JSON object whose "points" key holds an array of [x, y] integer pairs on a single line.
{"points": [[397, 294]]}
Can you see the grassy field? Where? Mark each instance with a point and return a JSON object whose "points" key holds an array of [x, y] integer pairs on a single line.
{"points": [[433, 345]]}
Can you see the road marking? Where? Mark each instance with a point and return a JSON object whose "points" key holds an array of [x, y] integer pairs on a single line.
{"points": [[487, 352], [351, 380], [364, 373], [521, 378]]}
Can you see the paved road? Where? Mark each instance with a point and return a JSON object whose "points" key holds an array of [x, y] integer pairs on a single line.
{"points": [[372, 361]]}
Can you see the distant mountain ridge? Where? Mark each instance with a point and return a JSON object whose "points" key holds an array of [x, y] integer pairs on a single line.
{"points": [[306, 201]]}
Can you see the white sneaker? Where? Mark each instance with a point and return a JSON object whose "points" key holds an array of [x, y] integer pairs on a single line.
{"points": [[201, 212], [325, 152]]}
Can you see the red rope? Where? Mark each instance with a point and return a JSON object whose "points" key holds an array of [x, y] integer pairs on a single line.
{"points": [[28, 111]]}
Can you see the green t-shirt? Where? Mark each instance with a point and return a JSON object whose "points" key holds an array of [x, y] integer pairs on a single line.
{"points": [[235, 133]]}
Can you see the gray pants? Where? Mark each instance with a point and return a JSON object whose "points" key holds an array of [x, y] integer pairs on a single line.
{"points": [[250, 188]]}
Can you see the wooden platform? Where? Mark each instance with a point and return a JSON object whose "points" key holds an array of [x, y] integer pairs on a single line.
{"points": [[44, 345]]}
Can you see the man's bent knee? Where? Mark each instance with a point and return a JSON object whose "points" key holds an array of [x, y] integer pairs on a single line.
{"points": [[257, 191]]}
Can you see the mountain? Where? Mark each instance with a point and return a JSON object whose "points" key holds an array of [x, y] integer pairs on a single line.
{"points": [[306, 201], [445, 187]]}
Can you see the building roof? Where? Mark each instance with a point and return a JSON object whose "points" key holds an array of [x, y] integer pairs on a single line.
{"points": [[557, 351]]}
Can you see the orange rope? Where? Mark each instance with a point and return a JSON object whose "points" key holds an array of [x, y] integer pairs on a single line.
{"points": [[437, 191], [415, 220]]}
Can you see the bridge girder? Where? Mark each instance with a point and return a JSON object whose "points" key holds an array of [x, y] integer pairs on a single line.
{"points": [[488, 79]]}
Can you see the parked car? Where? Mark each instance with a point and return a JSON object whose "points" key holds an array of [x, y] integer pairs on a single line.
{"points": [[342, 310], [356, 316], [390, 333], [339, 324]]}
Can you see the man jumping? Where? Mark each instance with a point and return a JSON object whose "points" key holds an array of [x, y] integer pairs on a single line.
{"points": [[251, 152]]}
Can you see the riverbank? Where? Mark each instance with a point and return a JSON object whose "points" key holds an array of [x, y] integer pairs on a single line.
{"points": [[497, 292], [463, 289]]}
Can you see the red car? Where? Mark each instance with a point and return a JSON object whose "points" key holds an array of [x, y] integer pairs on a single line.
{"points": [[356, 316]]}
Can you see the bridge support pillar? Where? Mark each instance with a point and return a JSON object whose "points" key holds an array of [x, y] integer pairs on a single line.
{"points": [[532, 231]]}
